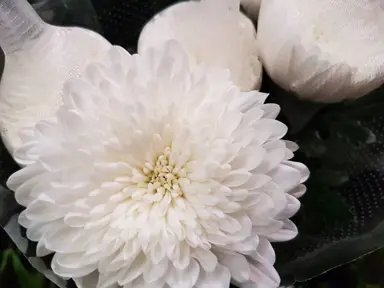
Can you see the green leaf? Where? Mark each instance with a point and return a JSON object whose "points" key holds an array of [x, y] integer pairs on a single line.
{"points": [[13, 230], [26, 278], [18, 267], [4, 259]]}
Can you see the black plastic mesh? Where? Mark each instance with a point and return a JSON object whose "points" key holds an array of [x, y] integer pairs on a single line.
{"points": [[122, 20], [335, 243], [342, 213]]}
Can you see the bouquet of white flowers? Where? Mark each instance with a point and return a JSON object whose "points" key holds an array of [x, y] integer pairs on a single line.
{"points": [[236, 143]]}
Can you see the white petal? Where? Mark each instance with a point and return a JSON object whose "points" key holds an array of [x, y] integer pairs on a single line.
{"points": [[41, 250], [236, 263], [271, 110], [293, 205], [249, 158], [154, 272], [220, 278], [230, 224], [255, 182], [237, 178], [298, 191], [185, 278], [63, 239], [264, 276], [137, 267], [262, 271], [286, 177], [158, 253], [265, 225], [271, 160], [277, 195], [276, 129], [206, 258], [264, 253], [259, 205], [181, 257], [116, 261], [246, 246], [246, 227], [292, 145], [23, 182], [286, 233], [108, 279], [140, 283], [89, 281], [44, 211], [36, 231], [23, 175], [304, 171], [75, 272]]}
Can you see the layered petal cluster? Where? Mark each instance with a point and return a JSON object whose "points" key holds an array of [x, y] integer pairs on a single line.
{"points": [[211, 31], [156, 174], [323, 50]]}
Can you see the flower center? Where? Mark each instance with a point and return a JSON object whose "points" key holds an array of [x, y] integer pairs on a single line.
{"points": [[164, 176]]}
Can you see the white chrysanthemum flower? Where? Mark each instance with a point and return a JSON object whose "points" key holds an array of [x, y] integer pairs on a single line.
{"points": [[211, 31], [252, 7], [155, 174], [323, 50]]}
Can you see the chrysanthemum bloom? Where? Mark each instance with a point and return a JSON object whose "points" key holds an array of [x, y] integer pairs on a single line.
{"points": [[154, 174], [323, 50], [211, 31]]}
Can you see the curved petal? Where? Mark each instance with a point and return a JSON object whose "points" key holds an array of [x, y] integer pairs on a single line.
{"points": [[286, 233], [236, 263], [293, 205], [155, 272], [185, 278], [286, 177], [264, 276], [220, 278], [73, 272], [207, 259], [89, 281]]}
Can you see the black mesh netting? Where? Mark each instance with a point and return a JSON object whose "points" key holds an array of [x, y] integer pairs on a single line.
{"points": [[343, 145], [122, 21], [342, 213], [345, 237]]}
